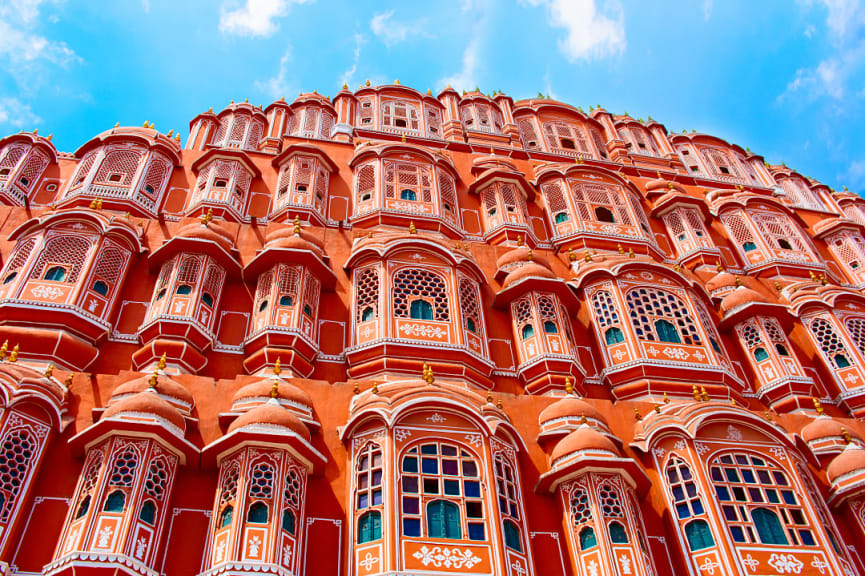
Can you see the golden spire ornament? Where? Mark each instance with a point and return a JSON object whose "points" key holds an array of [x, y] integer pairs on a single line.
{"points": [[569, 386], [163, 361], [274, 390], [818, 406], [411, 228], [297, 225], [277, 368], [13, 357], [637, 414], [3, 350], [49, 370]]}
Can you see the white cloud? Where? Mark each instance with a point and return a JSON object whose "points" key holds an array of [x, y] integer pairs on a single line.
{"points": [[392, 31], [810, 30], [465, 79], [145, 4], [21, 45], [254, 17], [589, 33], [17, 114], [707, 10], [278, 86], [348, 75]]}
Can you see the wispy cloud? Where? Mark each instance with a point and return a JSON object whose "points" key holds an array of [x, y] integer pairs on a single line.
{"points": [[17, 114], [278, 85], [392, 31], [465, 79], [348, 75], [253, 17], [707, 10], [589, 32], [21, 45]]}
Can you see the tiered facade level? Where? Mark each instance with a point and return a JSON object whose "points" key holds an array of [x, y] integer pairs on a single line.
{"points": [[395, 333]]}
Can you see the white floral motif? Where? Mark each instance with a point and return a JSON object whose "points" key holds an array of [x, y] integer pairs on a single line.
{"points": [[518, 568], [701, 448], [778, 453], [679, 445], [785, 564], [677, 353], [709, 566], [447, 557], [592, 567], [368, 561], [420, 330], [401, 434], [436, 418], [625, 562], [646, 276], [220, 551], [140, 547], [104, 536], [751, 563], [286, 554], [71, 541], [733, 433], [659, 452], [819, 564], [50, 292], [254, 546], [474, 439], [652, 350], [619, 355]]}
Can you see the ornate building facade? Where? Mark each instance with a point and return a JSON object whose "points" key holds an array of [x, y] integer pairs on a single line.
{"points": [[390, 332]]}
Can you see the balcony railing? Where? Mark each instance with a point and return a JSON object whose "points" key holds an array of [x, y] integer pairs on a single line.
{"points": [[108, 191]]}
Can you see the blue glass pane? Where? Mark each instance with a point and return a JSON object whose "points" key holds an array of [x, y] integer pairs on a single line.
{"points": [[411, 527], [472, 489], [430, 466], [450, 468], [410, 506], [477, 532], [697, 506], [409, 484], [723, 493], [683, 511], [409, 464], [452, 487]]}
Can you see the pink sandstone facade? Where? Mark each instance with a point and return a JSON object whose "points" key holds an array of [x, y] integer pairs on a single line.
{"points": [[398, 333]]}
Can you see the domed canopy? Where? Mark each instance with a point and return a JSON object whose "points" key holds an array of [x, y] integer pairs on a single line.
{"points": [[211, 232], [739, 297], [823, 427], [517, 257], [145, 404], [262, 391], [570, 407], [271, 414], [291, 238], [584, 439], [528, 270], [166, 388], [850, 461], [723, 280]]}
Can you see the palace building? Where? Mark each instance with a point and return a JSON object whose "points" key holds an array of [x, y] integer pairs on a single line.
{"points": [[398, 333]]}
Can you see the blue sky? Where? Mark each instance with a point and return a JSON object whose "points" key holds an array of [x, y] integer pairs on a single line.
{"points": [[785, 78]]}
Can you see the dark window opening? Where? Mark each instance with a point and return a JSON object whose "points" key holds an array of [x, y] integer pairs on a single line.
{"points": [[614, 335], [367, 314], [257, 513], [262, 306], [56, 274], [760, 354], [749, 246], [100, 287], [220, 183], [420, 310], [561, 217], [550, 327], [604, 215], [784, 243], [148, 512], [288, 521], [207, 298], [285, 301], [115, 502], [226, 516], [10, 277], [83, 507], [407, 195], [399, 122], [184, 289], [588, 538], [528, 331], [568, 144]]}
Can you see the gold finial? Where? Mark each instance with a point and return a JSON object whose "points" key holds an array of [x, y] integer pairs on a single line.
{"points": [[367, 81], [277, 368], [499, 404], [778, 287], [274, 389], [670, 185], [704, 396], [146, 124], [411, 228], [232, 101], [93, 204], [50, 136], [428, 374], [657, 408], [530, 256], [621, 249], [583, 419], [572, 256], [127, 215], [68, 381], [13, 357], [374, 388], [99, 203], [732, 401], [677, 268], [3, 350], [492, 151], [823, 280], [403, 138], [117, 124], [569, 386], [520, 240], [154, 379], [49, 370], [587, 256], [818, 406], [658, 172], [637, 414], [210, 109], [631, 253], [813, 276], [666, 398], [489, 396], [396, 82], [369, 235], [207, 217], [738, 281], [846, 435], [356, 388], [768, 415], [163, 361], [177, 137], [695, 392], [297, 225], [719, 267], [428, 92], [344, 86], [579, 160]]}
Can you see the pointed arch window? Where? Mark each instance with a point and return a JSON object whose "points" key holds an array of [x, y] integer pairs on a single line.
{"points": [[661, 316], [830, 342], [414, 285], [369, 527], [508, 502], [115, 501], [368, 477], [699, 535], [228, 494], [758, 501]]}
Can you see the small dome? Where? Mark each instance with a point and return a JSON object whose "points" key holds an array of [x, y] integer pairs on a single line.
{"points": [[286, 237], [264, 387], [271, 414], [513, 258], [721, 281], [211, 231], [823, 427], [570, 407], [739, 297], [528, 270], [145, 403], [851, 460], [165, 387], [585, 438]]}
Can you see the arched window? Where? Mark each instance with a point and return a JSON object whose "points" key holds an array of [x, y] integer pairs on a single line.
{"points": [[443, 520], [207, 298], [368, 477], [100, 287], [699, 535], [614, 335], [257, 513], [83, 507], [528, 331], [148, 512], [760, 354], [412, 284], [442, 482], [228, 493], [662, 316], [288, 521], [369, 527], [587, 538], [607, 317], [364, 183], [779, 232], [550, 327], [226, 516], [830, 342], [366, 291], [55, 274], [183, 289], [408, 195], [618, 535], [603, 203], [684, 489], [508, 502], [115, 501], [513, 540], [604, 214], [291, 500], [420, 310], [758, 502], [768, 527], [470, 307]]}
